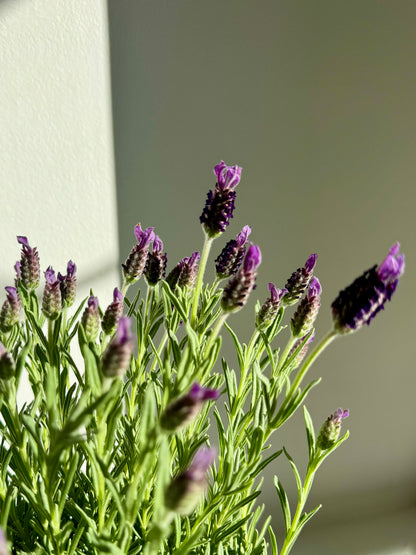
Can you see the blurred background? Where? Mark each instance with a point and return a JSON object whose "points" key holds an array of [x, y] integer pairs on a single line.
{"points": [[116, 114]]}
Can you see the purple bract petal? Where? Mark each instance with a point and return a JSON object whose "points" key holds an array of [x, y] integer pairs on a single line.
{"points": [[50, 275], [392, 266], [117, 295], [144, 237], [23, 240], [311, 262], [199, 393], [157, 244], [243, 236], [315, 288], [252, 259], [228, 177]]}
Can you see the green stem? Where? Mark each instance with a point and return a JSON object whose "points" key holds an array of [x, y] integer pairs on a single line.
{"points": [[238, 401], [215, 331], [284, 355], [202, 265]]}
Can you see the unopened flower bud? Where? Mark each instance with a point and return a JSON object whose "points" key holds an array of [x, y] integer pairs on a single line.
{"points": [[230, 258], [366, 296], [238, 289], [308, 309], [29, 264], [268, 311], [10, 311], [116, 357], [184, 274], [219, 206], [68, 284], [90, 319], [113, 313], [299, 281], [156, 263], [186, 490], [302, 353], [135, 264], [7, 366], [185, 409], [52, 300], [331, 428]]}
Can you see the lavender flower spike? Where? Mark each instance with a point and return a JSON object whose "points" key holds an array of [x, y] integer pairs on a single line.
{"points": [[270, 307], [10, 311], [185, 491], [113, 313], [186, 408], [238, 289], [299, 281], [307, 311], [219, 206], [330, 430], [135, 264], [7, 365], [29, 264], [184, 274], [230, 258], [52, 299], [156, 263], [366, 296], [68, 284], [90, 319], [116, 358]]}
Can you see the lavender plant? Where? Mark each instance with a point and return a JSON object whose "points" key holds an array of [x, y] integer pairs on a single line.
{"points": [[114, 453]]}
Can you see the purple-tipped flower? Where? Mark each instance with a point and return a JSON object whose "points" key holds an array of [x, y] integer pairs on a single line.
{"points": [[185, 409], [68, 284], [7, 366], [52, 299], [185, 491], [219, 206], [113, 313], [29, 264], [156, 263], [366, 296], [331, 428], [184, 274], [10, 311], [299, 281], [270, 307], [230, 258], [90, 319], [135, 264], [307, 310], [238, 289], [116, 358]]}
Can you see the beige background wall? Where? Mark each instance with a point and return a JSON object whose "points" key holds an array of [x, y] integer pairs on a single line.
{"points": [[316, 100]]}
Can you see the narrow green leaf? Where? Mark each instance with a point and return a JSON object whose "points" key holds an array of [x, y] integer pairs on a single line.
{"points": [[284, 502], [310, 433]]}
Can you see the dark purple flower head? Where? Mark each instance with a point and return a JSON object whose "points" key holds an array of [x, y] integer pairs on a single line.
{"points": [[270, 308], [156, 263], [299, 281], [230, 258], [186, 408], [116, 358], [308, 309], [113, 313], [366, 296], [7, 365], [184, 274], [331, 429], [52, 297], [219, 206], [185, 491], [135, 264], [90, 319], [68, 284], [29, 264], [238, 289]]}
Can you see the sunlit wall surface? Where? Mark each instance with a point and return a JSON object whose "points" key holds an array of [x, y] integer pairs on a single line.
{"points": [[316, 100]]}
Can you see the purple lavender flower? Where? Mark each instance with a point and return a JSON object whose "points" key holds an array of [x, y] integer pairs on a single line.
{"points": [[185, 491], [113, 313], [184, 274], [230, 258], [307, 310], [29, 264], [116, 358], [156, 263], [90, 319], [366, 296], [219, 206], [270, 307], [185, 409], [299, 281], [136, 261], [52, 299], [238, 289], [68, 284], [330, 430], [10, 311], [7, 366]]}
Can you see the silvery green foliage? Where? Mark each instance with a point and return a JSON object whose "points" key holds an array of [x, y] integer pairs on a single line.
{"points": [[114, 452]]}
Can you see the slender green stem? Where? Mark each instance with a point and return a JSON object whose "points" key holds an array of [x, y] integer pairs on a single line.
{"points": [[202, 265], [215, 331], [243, 375], [285, 354]]}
